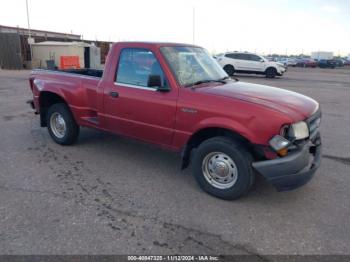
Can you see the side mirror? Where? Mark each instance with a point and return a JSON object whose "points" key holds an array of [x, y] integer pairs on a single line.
{"points": [[156, 81], [262, 60]]}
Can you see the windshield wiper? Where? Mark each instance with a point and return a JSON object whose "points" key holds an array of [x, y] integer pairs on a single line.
{"points": [[225, 78], [206, 81], [229, 77]]}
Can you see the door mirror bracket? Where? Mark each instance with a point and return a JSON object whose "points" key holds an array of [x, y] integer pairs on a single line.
{"points": [[156, 81]]}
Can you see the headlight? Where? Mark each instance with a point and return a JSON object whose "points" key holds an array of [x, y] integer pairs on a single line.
{"points": [[299, 131]]}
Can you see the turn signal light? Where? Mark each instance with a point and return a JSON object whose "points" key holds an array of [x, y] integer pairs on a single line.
{"points": [[282, 152]]}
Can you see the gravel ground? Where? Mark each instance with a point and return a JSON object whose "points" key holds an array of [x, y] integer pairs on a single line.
{"points": [[110, 195]]}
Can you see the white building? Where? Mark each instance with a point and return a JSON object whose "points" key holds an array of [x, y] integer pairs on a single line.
{"points": [[321, 55]]}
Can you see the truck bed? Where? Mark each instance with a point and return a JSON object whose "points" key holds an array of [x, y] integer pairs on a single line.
{"points": [[86, 72], [75, 86]]}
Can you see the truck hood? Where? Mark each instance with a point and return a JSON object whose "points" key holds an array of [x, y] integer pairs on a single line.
{"points": [[298, 107]]}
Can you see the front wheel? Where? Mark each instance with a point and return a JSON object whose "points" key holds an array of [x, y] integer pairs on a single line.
{"points": [[271, 72], [61, 124], [222, 168], [229, 69]]}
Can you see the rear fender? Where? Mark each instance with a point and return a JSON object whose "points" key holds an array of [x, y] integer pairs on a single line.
{"points": [[52, 87], [45, 89]]}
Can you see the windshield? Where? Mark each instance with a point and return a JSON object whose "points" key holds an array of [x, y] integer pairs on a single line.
{"points": [[192, 65]]}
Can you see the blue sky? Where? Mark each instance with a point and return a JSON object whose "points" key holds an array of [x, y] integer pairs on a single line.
{"points": [[281, 26]]}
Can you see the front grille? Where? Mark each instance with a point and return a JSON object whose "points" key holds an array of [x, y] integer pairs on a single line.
{"points": [[314, 125]]}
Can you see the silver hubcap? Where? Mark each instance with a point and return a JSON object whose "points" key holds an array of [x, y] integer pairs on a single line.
{"points": [[58, 125], [219, 170]]}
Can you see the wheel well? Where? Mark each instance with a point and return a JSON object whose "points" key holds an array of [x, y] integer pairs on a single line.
{"points": [[197, 138], [229, 66], [46, 100], [271, 67]]}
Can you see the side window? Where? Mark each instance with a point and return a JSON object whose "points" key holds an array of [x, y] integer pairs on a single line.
{"points": [[240, 56], [255, 58], [245, 57], [233, 56], [136, 65]]}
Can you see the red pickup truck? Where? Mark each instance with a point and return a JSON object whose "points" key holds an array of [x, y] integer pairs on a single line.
{"points": [[178, 97]]}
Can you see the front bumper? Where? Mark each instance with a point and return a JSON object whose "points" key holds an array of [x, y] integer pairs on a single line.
{"points": [[293, 170], [281, 71]]}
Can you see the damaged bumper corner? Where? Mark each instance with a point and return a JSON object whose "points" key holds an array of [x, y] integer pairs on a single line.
{"points": [[293, 170]]}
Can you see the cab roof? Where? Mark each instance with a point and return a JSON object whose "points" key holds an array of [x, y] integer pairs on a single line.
{"points": [[151, 44]]}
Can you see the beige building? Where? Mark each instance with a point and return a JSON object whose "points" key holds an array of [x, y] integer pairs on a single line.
{"points": [[322, 55], [89, 55]]}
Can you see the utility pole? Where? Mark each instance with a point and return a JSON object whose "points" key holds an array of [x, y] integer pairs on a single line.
{"points": [[29, 33], [30, 40], [193, 24]]}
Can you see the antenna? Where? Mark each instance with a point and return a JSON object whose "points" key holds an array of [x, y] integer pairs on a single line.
{"points": [[193, 24]]}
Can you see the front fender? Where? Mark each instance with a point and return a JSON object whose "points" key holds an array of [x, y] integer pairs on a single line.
{"points": [[226, 123], [216, 122]]}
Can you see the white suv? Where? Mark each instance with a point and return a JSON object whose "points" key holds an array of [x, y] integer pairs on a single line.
{"points": [[248, 63]]}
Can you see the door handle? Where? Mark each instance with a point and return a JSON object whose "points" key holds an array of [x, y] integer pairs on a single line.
{"points": [[114, 94]]}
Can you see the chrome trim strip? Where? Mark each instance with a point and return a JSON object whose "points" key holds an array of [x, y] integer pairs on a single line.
{"points": [[65, 73], [135, 86]]}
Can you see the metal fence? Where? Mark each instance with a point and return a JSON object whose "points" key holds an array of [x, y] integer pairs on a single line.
{"points": [[10, 51]]}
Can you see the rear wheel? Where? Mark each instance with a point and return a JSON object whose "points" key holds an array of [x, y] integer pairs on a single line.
{"points": [[222, 168], [61, 124], [229, 69], [271, 72]]}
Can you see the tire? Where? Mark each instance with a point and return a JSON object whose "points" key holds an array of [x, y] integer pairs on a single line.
{"points": [[271, 72], [240, 172], [229, 69], [61, 124]]}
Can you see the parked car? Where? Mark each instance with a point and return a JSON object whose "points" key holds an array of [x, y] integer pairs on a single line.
{"points": [[327, 63], [271, 58], [248, 63], [177, 97], [306, 62], [288, 62], [339, 62]]}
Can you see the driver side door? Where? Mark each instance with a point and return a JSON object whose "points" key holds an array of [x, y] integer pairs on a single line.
{"points": [[257, 63], [134, 109]]}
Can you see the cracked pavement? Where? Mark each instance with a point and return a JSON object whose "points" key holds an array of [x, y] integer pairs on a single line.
{"points": [[111, 195]]}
